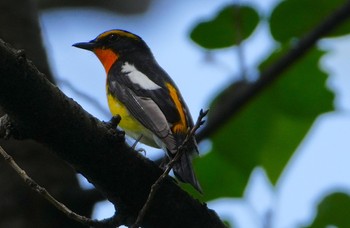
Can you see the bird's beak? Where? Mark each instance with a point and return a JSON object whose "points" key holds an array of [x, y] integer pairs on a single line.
{"points": [[86, 45]]}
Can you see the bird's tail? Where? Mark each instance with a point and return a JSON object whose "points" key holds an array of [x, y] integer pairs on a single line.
{"points": [[183, 170]]}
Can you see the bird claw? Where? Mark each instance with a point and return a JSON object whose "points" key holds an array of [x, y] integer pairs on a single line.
{"points": [[141, 150]]}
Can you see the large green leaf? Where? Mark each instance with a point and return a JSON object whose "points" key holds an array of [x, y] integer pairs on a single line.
{"points": [[294, 18], [221, 31], [333, 211], [267, 130]]}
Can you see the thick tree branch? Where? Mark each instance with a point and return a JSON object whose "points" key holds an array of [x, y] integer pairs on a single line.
{"points": [[42, 112], [19, 25], [88, 98], [118, 6], [234, 100], [44, 193]]}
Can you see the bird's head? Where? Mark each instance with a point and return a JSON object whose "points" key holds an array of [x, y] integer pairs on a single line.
{"points": [[110, 45]]}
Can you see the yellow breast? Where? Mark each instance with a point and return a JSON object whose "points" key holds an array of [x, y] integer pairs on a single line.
{"points": [[129, 124]]}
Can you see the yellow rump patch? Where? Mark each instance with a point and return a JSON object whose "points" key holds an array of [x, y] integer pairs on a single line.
{"points": [[107, 57], [181, 125]]}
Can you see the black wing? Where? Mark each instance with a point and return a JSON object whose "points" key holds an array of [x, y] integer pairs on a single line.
{"points": [[142, 105]]}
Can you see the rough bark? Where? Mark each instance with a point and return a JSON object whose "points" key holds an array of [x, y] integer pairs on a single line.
{"points": [[19, 206]]}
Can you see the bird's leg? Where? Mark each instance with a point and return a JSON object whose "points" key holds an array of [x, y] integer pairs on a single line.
{"points": [[140, 150]]}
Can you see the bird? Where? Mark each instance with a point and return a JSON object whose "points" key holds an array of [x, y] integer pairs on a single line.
{"points": [[140, 91]]}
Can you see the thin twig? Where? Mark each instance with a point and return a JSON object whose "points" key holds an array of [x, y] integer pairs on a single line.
{"points": [[110, 222], [181, 149]]}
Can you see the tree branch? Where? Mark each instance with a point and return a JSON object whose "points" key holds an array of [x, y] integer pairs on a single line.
{"points": [[42, 112], [20, 26], [44, 193], [88, 98], [234, 100], [118, 6]]}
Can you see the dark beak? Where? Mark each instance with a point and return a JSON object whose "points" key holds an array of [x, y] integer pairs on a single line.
{"points": [[86, 45]]}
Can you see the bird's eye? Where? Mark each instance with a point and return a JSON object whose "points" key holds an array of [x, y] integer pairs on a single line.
{"points": [[112, 37]]}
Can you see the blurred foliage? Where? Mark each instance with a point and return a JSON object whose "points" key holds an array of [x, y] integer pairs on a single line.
{"points": [[221, 31], [267, 130], [333, 211], [292, 19]]}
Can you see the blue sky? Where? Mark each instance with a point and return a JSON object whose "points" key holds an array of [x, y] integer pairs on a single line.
{"points": [[165, 27]]}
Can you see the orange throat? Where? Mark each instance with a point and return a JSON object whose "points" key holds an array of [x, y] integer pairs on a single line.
{"points": [[107, 57]]}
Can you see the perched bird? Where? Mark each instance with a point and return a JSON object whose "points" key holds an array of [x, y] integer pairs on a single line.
{"points": [[142, 93]]}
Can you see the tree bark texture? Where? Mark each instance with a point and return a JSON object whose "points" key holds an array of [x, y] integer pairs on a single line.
{"points": [[19, 206]]}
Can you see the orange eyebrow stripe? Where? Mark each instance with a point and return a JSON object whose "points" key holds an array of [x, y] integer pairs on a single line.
{"points": [[181, 125], [107, 57]]}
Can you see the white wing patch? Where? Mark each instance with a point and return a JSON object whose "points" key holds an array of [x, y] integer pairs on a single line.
{"points": [[138, 77]]}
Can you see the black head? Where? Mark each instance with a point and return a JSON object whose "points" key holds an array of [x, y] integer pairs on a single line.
{"points": [[119, 41]]}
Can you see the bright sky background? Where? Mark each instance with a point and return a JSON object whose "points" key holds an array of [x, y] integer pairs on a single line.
{"points": [[165, 27]]}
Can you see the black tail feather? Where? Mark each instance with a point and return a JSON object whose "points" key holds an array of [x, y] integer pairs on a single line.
{"points": [[183, 170]]}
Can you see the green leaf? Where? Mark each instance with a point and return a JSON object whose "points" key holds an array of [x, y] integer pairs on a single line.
{"points": [[333, 211], [294, 18], [267, 131], [221, 31]]}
